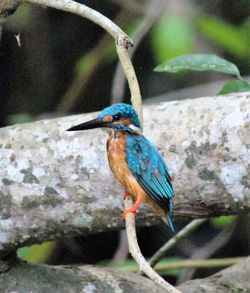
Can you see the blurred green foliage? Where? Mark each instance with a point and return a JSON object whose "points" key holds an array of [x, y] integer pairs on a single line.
{"points": [[130, 265], [21, 18], [231, 38], [85, 63], [19, 118], [38, 253], [222, 222], [106, 50], [175, 35], [171, 36]]}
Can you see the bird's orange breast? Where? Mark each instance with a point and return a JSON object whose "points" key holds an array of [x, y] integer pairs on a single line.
{"points": [[116, 149], [117, 157]]}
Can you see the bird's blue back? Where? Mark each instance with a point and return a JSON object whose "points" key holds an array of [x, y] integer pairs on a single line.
{"points": [[147, 165]]}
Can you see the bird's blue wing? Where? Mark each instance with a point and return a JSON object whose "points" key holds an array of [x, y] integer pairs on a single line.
{"points": [[147, 165]]}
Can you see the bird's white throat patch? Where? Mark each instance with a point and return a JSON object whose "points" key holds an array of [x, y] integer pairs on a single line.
{"points": [[135, 128]]}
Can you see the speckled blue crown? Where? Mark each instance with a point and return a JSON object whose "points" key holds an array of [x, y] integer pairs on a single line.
{"points": [[126, 110]]}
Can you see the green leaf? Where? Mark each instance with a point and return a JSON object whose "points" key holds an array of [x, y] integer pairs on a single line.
{"points": [[222, 221], [85, 63], [198, 62], [235, 86], [171, 36], [233, 39], [37, 253]]}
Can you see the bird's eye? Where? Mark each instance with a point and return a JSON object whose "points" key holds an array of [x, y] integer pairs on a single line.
{"points": [[117, 117]]}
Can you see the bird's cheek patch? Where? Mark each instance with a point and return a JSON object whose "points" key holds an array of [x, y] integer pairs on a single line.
{"points": [[107, 118], [126, 122]]}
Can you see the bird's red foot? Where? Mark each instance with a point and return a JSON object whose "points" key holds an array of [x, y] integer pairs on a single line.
{"points": [[131, 210], [126, 194]]}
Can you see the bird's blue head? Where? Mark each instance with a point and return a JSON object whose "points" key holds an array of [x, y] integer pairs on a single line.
{"points": [[120, 117], [120, 114]]}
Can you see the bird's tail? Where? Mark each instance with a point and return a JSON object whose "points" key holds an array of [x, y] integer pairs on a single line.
{"points": [[170, 222]]}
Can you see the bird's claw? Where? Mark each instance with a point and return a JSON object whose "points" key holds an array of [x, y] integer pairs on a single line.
{"points": [[126, 194], [131, 210]]}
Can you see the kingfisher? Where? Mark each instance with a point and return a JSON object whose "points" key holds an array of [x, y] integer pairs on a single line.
{"points": [[134, 160]]}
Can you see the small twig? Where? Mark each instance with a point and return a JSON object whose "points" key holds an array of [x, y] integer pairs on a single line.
{"points": [[199, 263], [154, 9], [136, 252], [187, 230], [205, 252]]}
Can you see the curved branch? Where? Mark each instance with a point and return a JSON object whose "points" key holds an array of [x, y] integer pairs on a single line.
{"points": [[136, 252]]}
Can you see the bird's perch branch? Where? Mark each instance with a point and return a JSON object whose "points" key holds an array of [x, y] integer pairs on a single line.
{"points": [[55, 184], [136, 252]]}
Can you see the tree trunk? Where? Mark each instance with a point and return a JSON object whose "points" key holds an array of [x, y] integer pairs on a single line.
{"points": [[26, 277], [56, 184]]}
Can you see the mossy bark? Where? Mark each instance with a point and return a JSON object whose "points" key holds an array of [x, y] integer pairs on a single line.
{"points": [[24, 277], [233, 279]]}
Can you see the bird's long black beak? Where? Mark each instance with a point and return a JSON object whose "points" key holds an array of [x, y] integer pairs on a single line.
{"points": [[95, 123]]}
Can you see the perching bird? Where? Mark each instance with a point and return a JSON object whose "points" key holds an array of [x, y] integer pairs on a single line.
{"points": [[134, 160]]}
